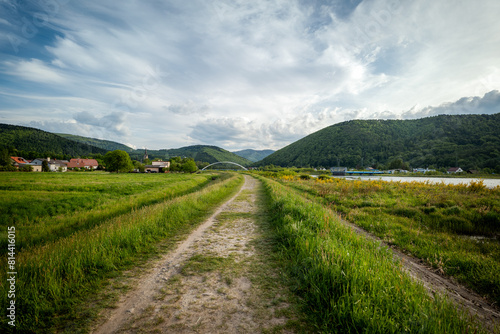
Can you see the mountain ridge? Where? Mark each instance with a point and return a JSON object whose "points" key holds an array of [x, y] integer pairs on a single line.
{"points": [[254, 155], [470, 141], [34, 143]]}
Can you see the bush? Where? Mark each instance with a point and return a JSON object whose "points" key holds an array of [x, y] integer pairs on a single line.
{"points": [[305, 176]]}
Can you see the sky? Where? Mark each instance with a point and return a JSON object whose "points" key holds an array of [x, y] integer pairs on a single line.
{"points": [[241, 74]]}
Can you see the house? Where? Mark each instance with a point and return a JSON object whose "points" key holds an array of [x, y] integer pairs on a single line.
{"points": [[454, 170], [20, 162], [395, 171], [423, 170], [54, 165], [35, 168], [83, 163], [157, 167]]}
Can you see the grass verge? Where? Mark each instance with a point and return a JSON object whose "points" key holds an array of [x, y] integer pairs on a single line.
{"points": [[55, 279], [453, 228], [351, 284]]}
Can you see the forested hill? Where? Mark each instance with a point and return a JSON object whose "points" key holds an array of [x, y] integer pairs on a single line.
{"points": [[466, 141], [208, 154], [203, 153], [254, 155], [104, 144], [32, 143]]}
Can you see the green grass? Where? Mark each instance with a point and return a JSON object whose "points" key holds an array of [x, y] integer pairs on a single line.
{"points": [[351, 284], [48, 206], [55, 279], [453, 228], [203, 263]]}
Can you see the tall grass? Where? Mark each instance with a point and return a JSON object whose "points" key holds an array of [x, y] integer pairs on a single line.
{"points": [[351, 284], [53, 279], [53, 210], [450, 227]]}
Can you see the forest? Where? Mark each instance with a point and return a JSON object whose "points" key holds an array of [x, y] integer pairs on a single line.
{"points": [[31, 143], [466, 141]]}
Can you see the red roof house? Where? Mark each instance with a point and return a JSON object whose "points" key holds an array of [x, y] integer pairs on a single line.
{"points": [[19, 161], [83, 163]]}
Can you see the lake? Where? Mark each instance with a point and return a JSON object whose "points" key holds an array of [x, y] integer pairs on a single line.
{"points": [[490, 183]]}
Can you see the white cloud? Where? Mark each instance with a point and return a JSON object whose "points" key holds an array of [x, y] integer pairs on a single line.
{"points": [[263, 73], [35, 70]]}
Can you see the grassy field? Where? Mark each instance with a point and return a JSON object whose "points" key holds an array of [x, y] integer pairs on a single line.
{"points": [[454, 228], [67, 246], [53, 205], [349, 283]]}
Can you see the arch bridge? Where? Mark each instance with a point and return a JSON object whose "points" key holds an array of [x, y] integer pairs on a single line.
{"points": [[223, 162]]}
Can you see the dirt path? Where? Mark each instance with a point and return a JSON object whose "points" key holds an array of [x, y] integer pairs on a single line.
{"points": [[216, 281]]}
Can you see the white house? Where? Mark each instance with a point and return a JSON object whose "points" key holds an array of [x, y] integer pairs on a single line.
{"points": [[54, 165], [454, 170]]}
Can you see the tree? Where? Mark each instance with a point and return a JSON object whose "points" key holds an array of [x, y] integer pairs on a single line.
{"points": [[118, 161], [4, 157], [26, 168], [137, 165], [45, 166], [189, 166], [175, 164]]}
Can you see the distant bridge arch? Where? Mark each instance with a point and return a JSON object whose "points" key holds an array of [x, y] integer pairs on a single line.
{"points": [[224, 162]]}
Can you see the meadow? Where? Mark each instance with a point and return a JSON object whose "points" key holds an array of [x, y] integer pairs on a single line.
{"points": [[350, 283], [51, 206], [74, 231], [453, 228]]}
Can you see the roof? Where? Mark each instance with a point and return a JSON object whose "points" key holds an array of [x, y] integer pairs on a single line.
{"points": [[82, 163], [453, 169], [161, 163], [19, 160]]}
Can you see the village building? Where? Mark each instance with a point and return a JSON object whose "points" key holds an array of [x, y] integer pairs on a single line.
{"points": [[157, 167], [54, 165], [423, 170], [83, 163], [20, 162], [455, 170]]}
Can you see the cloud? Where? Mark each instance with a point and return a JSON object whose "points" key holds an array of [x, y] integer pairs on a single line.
{"points": [[113, 122], [188, 108], [488, 104], [35, 70], [239, 73]]}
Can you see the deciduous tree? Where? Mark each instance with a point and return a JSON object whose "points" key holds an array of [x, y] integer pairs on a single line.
{"points": [[118, 161]]}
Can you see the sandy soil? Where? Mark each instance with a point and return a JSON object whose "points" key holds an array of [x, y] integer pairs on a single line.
{"points": [[210, 284]]}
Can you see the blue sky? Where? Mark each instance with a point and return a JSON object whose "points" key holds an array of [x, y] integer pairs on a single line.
{"points": [[242, 74]]}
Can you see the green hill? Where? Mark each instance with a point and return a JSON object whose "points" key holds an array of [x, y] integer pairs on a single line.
{"points": [[104, 144], [208, 154], [203, 153], [466, 141], [254, 155], [32, 143]]}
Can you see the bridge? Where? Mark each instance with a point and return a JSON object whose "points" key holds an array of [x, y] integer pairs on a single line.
{"points": [[223, 162]]}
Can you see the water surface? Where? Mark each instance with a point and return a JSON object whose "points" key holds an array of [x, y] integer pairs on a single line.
{"points": [[490, 183]]}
